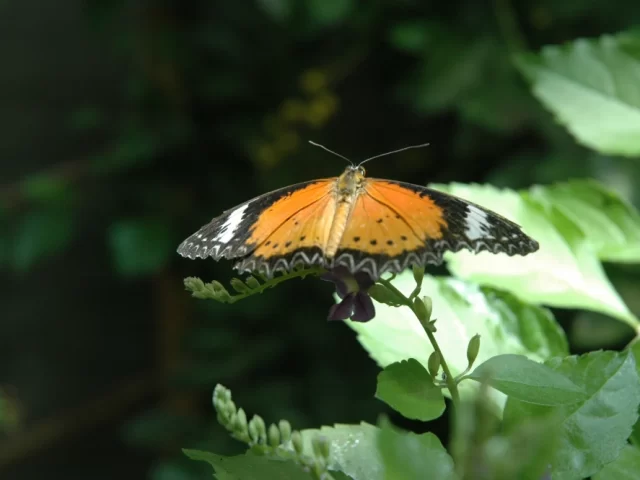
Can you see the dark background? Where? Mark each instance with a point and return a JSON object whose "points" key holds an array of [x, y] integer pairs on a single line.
{"points": [[126, 125]]}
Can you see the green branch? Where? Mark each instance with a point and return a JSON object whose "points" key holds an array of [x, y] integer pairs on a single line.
{"points": [[214, 290]]}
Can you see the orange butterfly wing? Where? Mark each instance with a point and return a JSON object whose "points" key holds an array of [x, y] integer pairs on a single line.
{"points": [[299, 240], [394, 225], [245, 229], [391, 226]]}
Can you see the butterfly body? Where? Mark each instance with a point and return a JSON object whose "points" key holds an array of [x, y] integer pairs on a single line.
{"points": [[364, 224]]}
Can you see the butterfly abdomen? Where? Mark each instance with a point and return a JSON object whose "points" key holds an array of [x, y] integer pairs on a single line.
{"points": [[338, 226]]}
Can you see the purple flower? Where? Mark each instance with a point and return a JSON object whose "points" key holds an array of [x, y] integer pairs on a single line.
{"points": [[352, 289]]}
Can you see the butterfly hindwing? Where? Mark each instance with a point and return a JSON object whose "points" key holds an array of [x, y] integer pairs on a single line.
{"points": [[240, 230]]}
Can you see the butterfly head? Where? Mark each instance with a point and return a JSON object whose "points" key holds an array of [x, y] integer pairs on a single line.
{"points": [[351, 179]]}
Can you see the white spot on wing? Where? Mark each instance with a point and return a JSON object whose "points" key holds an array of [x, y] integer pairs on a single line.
{"points": [[476, 219], [229, 227]]}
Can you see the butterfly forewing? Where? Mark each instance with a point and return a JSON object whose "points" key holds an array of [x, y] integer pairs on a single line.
{"points": [[299, 240], [449, 223], [239, 231]]}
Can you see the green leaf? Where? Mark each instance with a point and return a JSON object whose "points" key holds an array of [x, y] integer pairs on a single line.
{"points": [[526, 380], [595, 430], [329, 12], [141, 246], [635, 351], [610, 224], [481, 444], [625, 467], [41, 234], [353, 449], [593, 88], [250, 467], [525, 453], [462, 309], [409, 389], [566, 271], [407, 455]]}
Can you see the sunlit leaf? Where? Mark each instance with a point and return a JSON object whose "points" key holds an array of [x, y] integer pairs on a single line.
{"points": [[505, 324], [250, 467], [625, 467], [353, 449], [593, 88], [407, 455], [594, 430], [635, 351], [566, 271], [408, 388], [611, 225], [526, 380]]}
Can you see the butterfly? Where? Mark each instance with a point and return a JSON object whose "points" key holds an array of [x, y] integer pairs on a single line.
{"points": [[365, 224]]}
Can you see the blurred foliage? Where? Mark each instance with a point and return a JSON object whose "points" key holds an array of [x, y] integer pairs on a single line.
{"points": [[130, 124], [9, 412]]}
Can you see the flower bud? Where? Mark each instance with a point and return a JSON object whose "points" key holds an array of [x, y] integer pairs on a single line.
{"points": [[322, 446], [473, 349], [252, 283], [421, 311], [230, 408], [253, 431], [434, 364], [239, 286], [231, 421], [223, 296], [320, 466], [274, 435], [217, 286], [428, 304], [218, 392], [296, 440], [285, 430], [262, 428], [240, 424], [194, 284], [418, 275], [382, 294]]}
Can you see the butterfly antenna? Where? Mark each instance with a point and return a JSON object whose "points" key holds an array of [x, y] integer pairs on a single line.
{"points": [[331, 151], [394, 151]]}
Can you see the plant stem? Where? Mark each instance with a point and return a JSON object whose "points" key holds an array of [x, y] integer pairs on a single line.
{"points": [[452, 385], [450, 380]]}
